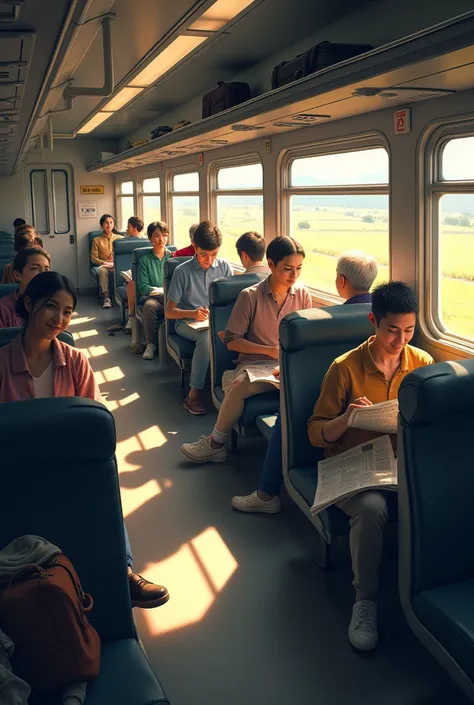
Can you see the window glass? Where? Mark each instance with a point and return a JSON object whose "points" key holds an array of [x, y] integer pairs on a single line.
{"points": [[326, 226], [458, 159], [240, 177], [39, 200], [456, 263], [126, 210], [186, 182], [151, 185], [126, 187], [151, 209], [185, 214], [237, 215], [60, 201], [368, 166]]}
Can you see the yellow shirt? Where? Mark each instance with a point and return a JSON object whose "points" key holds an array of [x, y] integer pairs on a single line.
{"points": [[355, 375], [102, 247]]}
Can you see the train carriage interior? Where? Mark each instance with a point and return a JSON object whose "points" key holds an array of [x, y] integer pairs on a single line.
{"points": [[175, 113]]}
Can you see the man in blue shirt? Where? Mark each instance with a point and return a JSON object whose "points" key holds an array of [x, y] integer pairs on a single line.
{"points": [[188, 304]]}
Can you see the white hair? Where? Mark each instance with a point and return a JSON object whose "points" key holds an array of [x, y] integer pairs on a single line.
{"points": [[359, 269]]}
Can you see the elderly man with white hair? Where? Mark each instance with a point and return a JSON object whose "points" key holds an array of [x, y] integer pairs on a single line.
{"points": [[355, 274]]}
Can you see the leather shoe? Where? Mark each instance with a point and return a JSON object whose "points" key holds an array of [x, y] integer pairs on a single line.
{"points": [[145, 594]]}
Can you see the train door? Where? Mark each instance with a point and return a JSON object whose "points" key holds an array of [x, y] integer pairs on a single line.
{"points": [[50, 202]]}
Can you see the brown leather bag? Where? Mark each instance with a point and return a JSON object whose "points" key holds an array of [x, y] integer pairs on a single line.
{"points": [[43, 611]]}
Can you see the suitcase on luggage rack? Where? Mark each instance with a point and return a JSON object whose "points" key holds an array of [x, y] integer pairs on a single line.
{"points": [[318, 57], [225, 96]]}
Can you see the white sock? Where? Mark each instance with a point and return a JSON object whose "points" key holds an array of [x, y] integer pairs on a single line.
{"points": [[220, 437]]}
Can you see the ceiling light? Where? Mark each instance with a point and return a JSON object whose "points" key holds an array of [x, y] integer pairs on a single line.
{"points": [[169, 57], [122, 98], [219, 14], [94, 122]]}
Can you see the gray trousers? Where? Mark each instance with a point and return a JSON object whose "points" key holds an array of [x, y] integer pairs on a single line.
{"points": [[153, 311], [368, 513]]}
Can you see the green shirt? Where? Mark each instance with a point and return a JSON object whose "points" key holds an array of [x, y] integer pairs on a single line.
{"points": [[151, 272]]}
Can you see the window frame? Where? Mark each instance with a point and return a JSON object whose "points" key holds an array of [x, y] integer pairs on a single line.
{"points": [[141, 193], [170, 193], [119, 195], [44, 171], [433, 188], [354, 143]]}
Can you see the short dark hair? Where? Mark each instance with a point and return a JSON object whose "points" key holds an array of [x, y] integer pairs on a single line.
{"points": [[157, 225], [393, 297], [283, 246], [207, 236], [21, 258], [253, 244], [25, 236], [18, 222], [136, 222], [44, 285]]}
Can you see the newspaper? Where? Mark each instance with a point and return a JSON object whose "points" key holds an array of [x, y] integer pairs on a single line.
{"points": [[156, 290], [263, 373], [382, 417], [198, 325], [127, 275], [370, 465]]}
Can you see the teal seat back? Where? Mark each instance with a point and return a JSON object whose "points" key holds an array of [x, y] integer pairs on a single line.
{"points": [[136, 257], [123, 251], [69, 495], [170, 266], [9, 334], [6, 289]]}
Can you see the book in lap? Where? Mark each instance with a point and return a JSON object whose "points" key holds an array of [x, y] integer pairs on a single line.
{"points": [[127, 275], [368, 466], [198, 325], [382, 418], [263, 373]]}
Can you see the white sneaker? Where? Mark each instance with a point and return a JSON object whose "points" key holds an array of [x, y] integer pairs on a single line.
{"points": [[150, 352], [201, 452], [107, 302], [254, 503], [363, 633], [128, 325]]}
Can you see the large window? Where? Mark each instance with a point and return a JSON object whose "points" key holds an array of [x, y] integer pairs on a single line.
{"points": [[125, 204], [452, 252], [150, 198], [184, 206], [339, 202], [239, 204]]}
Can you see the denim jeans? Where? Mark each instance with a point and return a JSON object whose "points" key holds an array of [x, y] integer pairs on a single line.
{"points": [[128, 548], [200, 363], [271, 477]]}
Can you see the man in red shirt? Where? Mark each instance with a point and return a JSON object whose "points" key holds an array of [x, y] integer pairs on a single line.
{"points": [[188, 251]]}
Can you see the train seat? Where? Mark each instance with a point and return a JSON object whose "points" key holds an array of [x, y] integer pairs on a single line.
{"points": [[309, 342], [180, 349], [71, 497], [123, 253], [223, 294], [436, 530], [9, 334], [6, 289]]}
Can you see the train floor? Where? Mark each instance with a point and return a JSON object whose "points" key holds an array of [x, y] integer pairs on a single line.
{"points": [[252, 618]]}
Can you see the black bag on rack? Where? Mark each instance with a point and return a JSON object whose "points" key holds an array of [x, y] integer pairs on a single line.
{"points": [[160, 131], [318, 57], [225, 96]]}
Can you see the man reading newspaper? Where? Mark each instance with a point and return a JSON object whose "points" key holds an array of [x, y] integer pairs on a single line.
{"points": [[370, 374]]}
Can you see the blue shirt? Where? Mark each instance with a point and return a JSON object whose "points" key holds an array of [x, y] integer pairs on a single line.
{"points": [[190, 283], [360, 299]]}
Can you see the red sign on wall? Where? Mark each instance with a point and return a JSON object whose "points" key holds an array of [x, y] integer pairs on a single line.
{"points": [[402, 121]]}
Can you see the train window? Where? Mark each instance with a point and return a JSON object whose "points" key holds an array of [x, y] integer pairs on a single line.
{"points": [[238, 204], [456, 163], [39, 200], [125, 203], [338, 202], [184, 206], [60, 201], [151, 202]]}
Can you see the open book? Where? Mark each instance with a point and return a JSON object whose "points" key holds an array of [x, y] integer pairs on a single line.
{"points": [[381, 417], [263, 373], [127, 275], [368, 466], [198, 325]]}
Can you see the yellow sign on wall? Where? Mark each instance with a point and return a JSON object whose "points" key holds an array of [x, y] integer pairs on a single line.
{"points": [[91, 190]]}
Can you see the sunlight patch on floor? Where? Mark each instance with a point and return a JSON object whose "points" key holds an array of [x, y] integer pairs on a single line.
{"points": [[111, 374], [81, 334], [148, 439], [114, 404], [194, 575], [151, 438], [135, 497], [82, 319]]}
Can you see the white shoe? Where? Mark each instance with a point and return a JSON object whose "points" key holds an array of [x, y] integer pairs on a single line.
{"points": [[363, 633], [128, 325], [150, 352], [254, 503], [107, 302], [201, 452]]}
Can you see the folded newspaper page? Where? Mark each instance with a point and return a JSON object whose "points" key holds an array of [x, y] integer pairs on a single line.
{"points": [[198, 325], [263, 373], [156, 290], [369, 466], [127, 275], [381, 417]]}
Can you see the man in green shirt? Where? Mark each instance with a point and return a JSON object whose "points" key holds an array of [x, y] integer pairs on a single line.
{"points": [[150, 284]]}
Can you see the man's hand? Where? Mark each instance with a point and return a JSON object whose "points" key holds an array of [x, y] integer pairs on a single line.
{"points": [[201, 314], [276, 372], [221, 335], [358, 403]]}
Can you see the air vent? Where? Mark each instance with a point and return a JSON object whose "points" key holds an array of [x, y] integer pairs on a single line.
{"points": [[404, 92], [219, 141], [4, 75], [246, 128], [308, 118]]}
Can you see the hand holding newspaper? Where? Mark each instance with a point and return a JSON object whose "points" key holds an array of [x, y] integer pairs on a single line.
{"points": [[263, 373], [156, 290], [369, 466], [382, 417]]}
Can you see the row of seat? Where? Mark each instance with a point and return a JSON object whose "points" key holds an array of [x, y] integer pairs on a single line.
{"points": [[6, 249]]}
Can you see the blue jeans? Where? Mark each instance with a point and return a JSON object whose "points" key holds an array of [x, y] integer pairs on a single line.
{"points": [[200, 363], [271, 477], [128, 548]]}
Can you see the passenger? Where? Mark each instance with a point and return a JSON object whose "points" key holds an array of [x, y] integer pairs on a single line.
{"points": [[188, 301], [251, 250], [25, 236], [252, 331], [102, 255], [26, 265], [367, 375], [188, 251], [17, 223], [135, 227], [150, 284], [35, 364], [355, 274]]}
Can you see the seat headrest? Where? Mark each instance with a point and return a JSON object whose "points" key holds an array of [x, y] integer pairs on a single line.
{"points": [[171, 264], [320, 326], [226, 290], [141, 252], [128, 245], [437, 392], [6, 289], [9, 334]]}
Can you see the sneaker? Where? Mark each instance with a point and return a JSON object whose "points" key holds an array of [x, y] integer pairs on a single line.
{"points": [[254, 503], [145, 594], [194, 407], [363, 633], [201, 452], [128, 326], [150, 352], [107, 302]]}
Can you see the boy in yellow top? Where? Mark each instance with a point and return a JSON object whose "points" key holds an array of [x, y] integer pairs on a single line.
{"points": [[370, 374], [102, 255]]}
